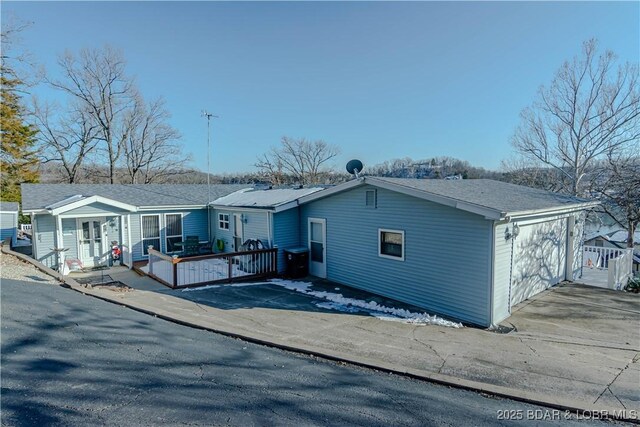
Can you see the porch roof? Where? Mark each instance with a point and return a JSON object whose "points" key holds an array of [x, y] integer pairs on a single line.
{"points": [[77, 201]]}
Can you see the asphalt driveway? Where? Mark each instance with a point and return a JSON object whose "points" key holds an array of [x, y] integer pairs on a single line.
{"points": [[572, 346], [272, 296]]}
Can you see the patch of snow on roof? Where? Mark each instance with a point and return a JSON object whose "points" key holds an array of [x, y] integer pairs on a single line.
{"points": [[250, 197], [621, 236]]}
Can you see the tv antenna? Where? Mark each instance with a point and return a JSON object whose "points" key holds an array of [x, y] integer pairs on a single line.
{"points": [[209, 116]]}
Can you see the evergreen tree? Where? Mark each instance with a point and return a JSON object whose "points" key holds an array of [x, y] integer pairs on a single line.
{"points": [[18, 161]]}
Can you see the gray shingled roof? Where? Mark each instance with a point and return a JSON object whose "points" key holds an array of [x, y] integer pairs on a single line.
{"points": [[9, 207], [496, 195], [264, 198], [37, 196]]}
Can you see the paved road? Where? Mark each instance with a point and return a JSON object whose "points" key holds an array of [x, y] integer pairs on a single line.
{"points": [[69, 359]]}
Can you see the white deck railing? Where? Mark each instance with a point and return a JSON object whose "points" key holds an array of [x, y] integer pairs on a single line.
{"points": [[204, 269], [616, 263]]}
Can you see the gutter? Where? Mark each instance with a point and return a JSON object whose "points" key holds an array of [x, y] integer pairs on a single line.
{"points": [[544, 212]]}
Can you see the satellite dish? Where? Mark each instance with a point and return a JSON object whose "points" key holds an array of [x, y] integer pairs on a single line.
{"points": [[354, 167]]}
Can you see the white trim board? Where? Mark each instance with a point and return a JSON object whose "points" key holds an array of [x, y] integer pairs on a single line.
{"points": [[57, 209]]}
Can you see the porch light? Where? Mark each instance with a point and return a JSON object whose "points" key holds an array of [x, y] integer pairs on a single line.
{"points": [[513, 233]]}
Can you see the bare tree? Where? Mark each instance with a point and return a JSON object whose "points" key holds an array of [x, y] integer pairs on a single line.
{"points": [[151, 152], [96, 79], [304, 160], [66, 139], [618, 187], [589, 110]]}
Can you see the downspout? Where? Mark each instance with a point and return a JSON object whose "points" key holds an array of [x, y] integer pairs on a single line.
{"points": [[269, 228], [492, 265], [510, 274], [34, 234], [209, 224]]}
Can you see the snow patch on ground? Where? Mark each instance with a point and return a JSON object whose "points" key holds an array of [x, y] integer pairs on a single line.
{"points": [[228, 285], [338, 302], [341, 303], [338, 307]]}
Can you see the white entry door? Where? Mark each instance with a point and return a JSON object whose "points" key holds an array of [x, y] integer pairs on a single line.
{"points": [[91, 245], [317, 247], [238, 231]]}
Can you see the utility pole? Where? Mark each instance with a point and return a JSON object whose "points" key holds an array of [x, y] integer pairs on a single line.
{"points": [[208, 116]]}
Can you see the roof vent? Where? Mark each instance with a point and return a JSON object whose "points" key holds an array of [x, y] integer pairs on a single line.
{"points": [[262, 186]]}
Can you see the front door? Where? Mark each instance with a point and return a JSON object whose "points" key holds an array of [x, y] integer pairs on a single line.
{"points": [[317, 247], [238, 231], [91, 245]]}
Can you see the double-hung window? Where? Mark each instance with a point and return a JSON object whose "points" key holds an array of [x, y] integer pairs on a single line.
{"points": [[223, 221], [391, 244], [173, 230], [150, 232]]}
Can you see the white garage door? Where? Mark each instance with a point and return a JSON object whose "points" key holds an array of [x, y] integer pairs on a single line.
{"points": [[539, 258]]}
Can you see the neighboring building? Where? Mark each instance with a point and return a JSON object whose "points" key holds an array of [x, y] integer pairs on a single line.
{"points": [[86, 218], [467, 249], [9, 221], [266, 214], [615, 239]]}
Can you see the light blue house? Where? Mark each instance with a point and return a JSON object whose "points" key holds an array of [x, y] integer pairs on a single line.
{"points": [[9, 221], [466, 249], [270, 215], [84, 219]]}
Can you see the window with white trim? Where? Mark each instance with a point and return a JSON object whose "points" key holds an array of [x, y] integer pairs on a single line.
{"points": [[150, 232], [223, 221], [391, 244], [173, 231]]}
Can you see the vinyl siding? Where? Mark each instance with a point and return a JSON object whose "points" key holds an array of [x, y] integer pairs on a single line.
{"points": [[70, 237], [194, 223], [225, 235], [501, 273], [504, 266], [45, 239], [255, 227], [9, 226], [286, 232], [447, 251]]}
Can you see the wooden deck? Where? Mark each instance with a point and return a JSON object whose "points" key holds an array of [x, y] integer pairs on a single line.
{"points": [[201, 270]]}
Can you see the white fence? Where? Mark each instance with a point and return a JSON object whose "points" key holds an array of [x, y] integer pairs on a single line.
{"points": [[203, 269], [615, 265]]}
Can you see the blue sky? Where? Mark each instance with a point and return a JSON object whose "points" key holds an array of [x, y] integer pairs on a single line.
{"points": [[381, 80]]}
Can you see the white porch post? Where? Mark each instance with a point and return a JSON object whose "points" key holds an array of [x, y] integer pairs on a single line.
{"points": [[121, 239], [570, 251], [129, 243], [59, 244]]}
